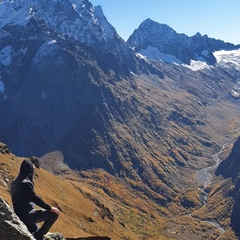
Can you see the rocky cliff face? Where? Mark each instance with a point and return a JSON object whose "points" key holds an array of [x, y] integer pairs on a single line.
{"points": [[159, 41], [230, 167], [65, 19], [49, 60]]}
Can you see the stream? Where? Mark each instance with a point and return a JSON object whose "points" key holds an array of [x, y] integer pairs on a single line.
{"points": [[205, 177]]}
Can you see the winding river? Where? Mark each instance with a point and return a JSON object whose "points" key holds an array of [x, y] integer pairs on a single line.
{"points": [[205, 177]]}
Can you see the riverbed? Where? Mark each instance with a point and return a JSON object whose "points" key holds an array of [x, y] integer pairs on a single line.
{"points": [[204, 176]]}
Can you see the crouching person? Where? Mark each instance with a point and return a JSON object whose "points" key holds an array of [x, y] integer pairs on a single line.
{"points": [[24, 199]]}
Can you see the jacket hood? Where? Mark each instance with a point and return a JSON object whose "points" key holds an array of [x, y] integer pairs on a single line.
{"points": [[27, 169]]}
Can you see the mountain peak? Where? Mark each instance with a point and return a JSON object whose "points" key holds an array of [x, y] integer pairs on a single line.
{"points": [[198, 35], [79, 20], [154, 27], [159, 41]]}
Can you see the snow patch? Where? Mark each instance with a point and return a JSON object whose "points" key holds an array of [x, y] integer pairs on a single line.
{"points": [[197, 65], [141, 57], [52, 42], [235, 93], [5, 56], [224, 59], [74, 6], [154, 53], [132, 73], [228, 58]]}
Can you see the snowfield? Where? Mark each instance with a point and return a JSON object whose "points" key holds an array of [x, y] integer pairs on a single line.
{"points": [[228, 58], [224, 59]]}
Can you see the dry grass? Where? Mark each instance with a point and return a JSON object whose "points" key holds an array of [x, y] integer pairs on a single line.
{"points": [[87, 210]]}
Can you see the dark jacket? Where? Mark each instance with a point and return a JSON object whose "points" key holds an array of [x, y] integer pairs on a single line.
{"points": [[23, 195]]}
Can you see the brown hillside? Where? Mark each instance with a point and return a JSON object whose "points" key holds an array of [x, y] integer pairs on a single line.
{"points": [[85, 209]]}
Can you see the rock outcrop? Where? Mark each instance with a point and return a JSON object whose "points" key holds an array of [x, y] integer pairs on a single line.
{"points": [[11, 228], [230, 167]]}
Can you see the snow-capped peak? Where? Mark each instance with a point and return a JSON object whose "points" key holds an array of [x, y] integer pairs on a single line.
{"points": [[166, 41], [78, 19]]}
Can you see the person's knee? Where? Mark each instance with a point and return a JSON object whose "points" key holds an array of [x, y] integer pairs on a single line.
{"points": [[55, 215]]}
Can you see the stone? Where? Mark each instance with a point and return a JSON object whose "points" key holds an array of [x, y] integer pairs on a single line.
{"points": [[11, 227], [54, 236]]}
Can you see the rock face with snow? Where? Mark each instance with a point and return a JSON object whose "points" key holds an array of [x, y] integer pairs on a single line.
{"points": [[159, 41], [78, 20], [230, 60], [53, 56], [72, 18]]}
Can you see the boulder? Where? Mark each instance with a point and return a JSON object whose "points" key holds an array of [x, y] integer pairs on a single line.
{"points": [[11, 227]]}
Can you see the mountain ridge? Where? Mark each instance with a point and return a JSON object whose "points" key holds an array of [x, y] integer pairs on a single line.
{"points": [[155, 40]]}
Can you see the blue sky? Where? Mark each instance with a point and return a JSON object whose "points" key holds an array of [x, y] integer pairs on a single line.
{"points": [[219, 19]]}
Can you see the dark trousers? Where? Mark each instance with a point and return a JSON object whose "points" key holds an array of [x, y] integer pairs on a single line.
{"points": [[36, 216]]}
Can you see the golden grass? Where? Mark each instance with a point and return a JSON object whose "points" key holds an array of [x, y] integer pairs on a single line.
{"points": [[86, 210]]}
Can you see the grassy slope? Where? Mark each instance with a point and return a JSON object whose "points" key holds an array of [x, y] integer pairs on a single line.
{"points": [[86, 210]]}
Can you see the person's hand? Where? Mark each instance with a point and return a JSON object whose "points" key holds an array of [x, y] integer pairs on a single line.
{"points": [[54, 210]]}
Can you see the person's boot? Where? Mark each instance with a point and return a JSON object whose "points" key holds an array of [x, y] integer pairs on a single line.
{"points": [[38, 237]]}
